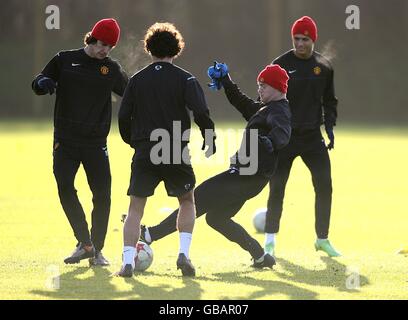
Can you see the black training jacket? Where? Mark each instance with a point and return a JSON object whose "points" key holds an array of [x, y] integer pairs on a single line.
{"points": [[311, 94], [272, 120], [83, 105], [156, 97]]}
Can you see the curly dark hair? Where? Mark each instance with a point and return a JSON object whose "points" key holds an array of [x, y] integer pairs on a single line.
{"points": [[162, 40]]}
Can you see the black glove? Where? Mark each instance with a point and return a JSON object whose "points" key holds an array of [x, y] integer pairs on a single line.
{"points": [[209, 140], [266, 143], [47, 84], [330, 135]]}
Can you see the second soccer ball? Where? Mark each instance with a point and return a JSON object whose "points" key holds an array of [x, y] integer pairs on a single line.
{"points": [[144, 256], [259, 220]]}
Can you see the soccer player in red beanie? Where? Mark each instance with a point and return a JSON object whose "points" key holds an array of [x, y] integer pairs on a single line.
{"points": [[269, 122], [83, 80], [312, 102]]}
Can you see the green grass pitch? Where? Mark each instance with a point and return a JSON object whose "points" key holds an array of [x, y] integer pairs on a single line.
{"points": [[369, 224]]}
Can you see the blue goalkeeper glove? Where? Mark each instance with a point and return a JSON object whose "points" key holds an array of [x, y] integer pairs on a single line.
{"points": [[216, 73], [218, 70]]}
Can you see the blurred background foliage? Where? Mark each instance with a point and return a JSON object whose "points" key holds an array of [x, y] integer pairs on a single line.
{"points": [[370, 63]]}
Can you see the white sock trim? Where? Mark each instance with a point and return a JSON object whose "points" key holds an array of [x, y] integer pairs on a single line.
{"points": [[147, 235], [129, 254], [270, 238], [185, 243], [261, 258]]}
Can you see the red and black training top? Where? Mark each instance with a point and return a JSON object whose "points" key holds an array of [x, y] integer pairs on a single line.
{"points": [[310, 93], [271, 120], [83, 105]]}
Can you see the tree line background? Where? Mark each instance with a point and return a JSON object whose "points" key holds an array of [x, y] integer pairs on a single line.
{"points": [[370, 63]]}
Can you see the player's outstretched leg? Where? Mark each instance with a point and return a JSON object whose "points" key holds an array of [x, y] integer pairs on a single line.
{"points": [[236, 233], [145, 234], [266, 261]]}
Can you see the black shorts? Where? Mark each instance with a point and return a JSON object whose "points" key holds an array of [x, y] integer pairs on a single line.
{"points": [[178, 178]]}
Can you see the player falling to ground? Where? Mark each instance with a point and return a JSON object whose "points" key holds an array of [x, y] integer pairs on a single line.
{"points": [[270, 120], [159, 98], [84, 80], [312, 101]]}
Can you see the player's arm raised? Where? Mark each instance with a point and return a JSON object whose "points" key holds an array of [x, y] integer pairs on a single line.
{"points": [[220, 77]]}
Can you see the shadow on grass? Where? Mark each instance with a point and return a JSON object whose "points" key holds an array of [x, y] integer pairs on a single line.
{"points": [[265, 287], [77, 284], [100, 286], [335, 275]]}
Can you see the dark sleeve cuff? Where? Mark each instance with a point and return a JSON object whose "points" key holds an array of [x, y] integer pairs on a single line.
{"points": [[227, 82]]}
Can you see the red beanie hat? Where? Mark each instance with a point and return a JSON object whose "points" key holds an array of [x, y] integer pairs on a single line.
{"points": [[305, 26], [275, 76], [106, 30]]}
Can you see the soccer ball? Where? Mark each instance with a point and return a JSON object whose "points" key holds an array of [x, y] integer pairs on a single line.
{"points": [[143, 257], [259, 220]]}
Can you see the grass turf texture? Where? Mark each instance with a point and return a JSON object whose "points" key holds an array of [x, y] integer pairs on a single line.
{"points": [[369, 224]]}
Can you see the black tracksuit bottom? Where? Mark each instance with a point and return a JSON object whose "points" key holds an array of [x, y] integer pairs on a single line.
{"points": [[221, 197], [95, 161], [311, 148]]}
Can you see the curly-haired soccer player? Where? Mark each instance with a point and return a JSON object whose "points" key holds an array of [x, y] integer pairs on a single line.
{"points": [[158, 98]]}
